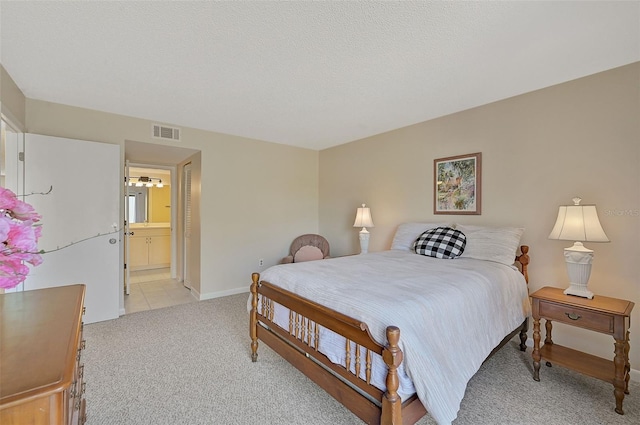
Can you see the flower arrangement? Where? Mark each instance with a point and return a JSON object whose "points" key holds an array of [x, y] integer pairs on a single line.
{"points": [[19, 235]]}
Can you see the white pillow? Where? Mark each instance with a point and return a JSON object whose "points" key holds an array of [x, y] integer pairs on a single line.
{"points": [[407, 233], [499, 244]]}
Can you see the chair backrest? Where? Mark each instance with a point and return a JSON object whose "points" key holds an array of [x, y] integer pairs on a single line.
{"points": [[310, 240]]}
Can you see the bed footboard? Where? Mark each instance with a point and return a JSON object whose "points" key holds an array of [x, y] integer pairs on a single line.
{"points": [[299, 345]]}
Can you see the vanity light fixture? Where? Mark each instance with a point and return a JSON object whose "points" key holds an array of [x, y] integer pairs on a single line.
{"points": [[145, 181]]}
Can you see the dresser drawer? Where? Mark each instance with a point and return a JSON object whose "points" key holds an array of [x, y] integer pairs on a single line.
{"points": [[576, 316]]}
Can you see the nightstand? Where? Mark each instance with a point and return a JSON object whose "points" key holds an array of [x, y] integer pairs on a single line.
{"points": [[606, 315]]}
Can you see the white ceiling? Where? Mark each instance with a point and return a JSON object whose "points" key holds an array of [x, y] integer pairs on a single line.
{"points": [[311, 74]]}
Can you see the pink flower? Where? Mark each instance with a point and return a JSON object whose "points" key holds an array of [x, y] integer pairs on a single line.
{"points": [[9, 202], [12, 272], [23, 241], [8, 199], [18, 239], [5, 225]]}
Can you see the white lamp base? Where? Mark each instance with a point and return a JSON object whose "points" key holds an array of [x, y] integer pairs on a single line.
{"points": [[579, 291], [364, 241], [578, 260]]}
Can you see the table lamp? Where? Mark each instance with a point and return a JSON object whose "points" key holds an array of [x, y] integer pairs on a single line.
{"points": [[578, 223], [363, 219]]}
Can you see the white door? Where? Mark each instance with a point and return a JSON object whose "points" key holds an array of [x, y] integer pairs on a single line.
{"points": [[125, 239], [80, 218], [186, 241]]}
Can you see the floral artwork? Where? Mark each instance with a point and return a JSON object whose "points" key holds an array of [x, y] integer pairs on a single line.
{"points": [[19, 235], [457, 184]]}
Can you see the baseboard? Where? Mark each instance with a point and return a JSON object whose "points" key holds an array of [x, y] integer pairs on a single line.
{"points": [[218, 294], [634, 375]]}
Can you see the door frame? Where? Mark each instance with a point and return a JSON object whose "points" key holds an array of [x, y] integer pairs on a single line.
{"points": [[12, 167], [185, 236]]}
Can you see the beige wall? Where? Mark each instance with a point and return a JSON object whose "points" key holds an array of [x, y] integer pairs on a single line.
{"points": [[12, 100], [255, 196], [539, 150]]}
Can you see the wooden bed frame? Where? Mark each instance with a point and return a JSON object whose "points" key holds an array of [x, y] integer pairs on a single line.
{"points": [[299, 346]]}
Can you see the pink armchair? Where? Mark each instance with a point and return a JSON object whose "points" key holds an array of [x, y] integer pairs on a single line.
{"points": [[307, 248]]}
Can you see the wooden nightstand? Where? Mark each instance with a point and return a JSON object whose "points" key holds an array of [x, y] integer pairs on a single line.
{"points": [[601, 314]]}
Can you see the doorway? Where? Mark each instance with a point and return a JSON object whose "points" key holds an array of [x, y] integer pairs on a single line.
{"points": [[154, 280], [150, 283]]}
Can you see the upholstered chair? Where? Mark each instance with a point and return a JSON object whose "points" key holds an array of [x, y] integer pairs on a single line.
{"points": [[307, 248]]}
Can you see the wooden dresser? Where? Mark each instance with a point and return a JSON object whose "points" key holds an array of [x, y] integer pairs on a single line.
{"points": [[41, 357]]}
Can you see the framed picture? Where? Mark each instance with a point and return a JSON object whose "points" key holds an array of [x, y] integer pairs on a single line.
{"points": [[457, 184]]}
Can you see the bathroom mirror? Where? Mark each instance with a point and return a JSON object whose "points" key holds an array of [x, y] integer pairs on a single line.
{"points": [[149, 196]]}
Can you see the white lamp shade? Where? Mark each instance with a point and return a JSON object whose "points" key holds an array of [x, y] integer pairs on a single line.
{"points": [[363, 217], [578, 223]]}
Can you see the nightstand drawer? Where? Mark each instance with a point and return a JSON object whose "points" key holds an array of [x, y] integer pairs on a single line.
{"points": [[600, 322]]}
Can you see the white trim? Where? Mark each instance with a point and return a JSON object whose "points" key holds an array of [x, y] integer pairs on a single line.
{"points": [[218, 294], [11, 120]]}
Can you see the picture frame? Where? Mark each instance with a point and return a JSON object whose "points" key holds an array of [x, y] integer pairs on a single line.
{"points": [[458, 184]]}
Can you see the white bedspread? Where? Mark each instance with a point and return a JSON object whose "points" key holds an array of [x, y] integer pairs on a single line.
{"points": [[451, 313]]}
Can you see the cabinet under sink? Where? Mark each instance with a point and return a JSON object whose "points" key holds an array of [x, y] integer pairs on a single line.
{"points": [[149, 248]]}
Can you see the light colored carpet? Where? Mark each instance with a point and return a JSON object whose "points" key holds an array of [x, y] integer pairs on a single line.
{"points": [[190, 364]]}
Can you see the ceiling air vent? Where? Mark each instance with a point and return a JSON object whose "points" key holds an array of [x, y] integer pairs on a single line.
{"points": [[164, 132]]}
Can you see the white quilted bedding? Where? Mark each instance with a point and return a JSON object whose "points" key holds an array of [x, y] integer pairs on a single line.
{"points": [[451, 314]]}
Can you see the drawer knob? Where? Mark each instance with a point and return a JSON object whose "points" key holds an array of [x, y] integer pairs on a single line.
{"points": [[573, 316]]}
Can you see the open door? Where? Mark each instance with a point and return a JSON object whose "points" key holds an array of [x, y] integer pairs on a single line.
{"points": [[80, 217], [186, 242], [127, 233]]}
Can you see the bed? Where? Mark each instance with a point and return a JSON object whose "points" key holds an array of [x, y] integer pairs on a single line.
{"points": [[394, 334]]}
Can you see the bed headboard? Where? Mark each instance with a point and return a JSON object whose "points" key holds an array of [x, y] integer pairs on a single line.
{"points": [[523, 259]]}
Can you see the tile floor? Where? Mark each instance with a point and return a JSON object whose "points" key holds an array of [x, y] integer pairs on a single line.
{"points": [[151, 289]]}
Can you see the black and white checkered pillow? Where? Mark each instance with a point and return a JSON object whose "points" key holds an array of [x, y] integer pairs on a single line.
{"points": [[441, 242]]}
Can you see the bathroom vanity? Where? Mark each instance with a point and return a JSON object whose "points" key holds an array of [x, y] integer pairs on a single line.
{"points": [[149, 245]]}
